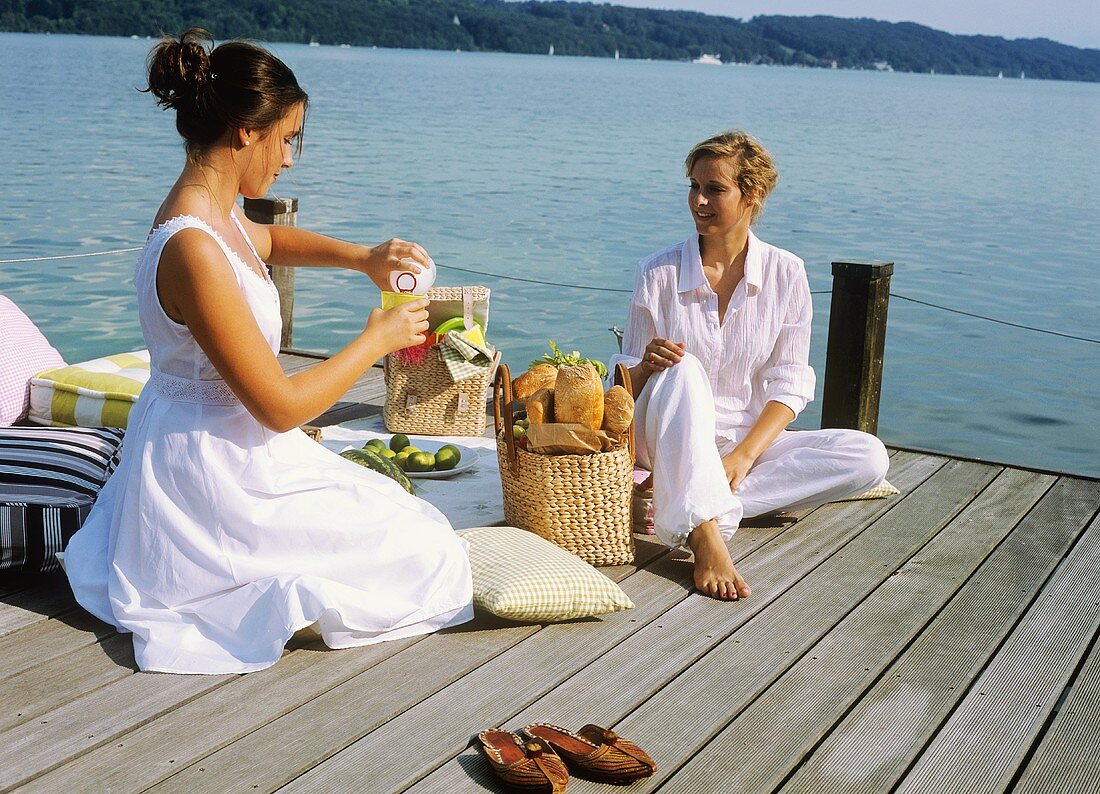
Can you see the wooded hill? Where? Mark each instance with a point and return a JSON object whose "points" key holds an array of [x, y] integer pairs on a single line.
{"points": [[571, 28]]}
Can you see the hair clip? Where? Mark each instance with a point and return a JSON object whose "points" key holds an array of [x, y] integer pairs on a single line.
{"points": [[213, 76]]}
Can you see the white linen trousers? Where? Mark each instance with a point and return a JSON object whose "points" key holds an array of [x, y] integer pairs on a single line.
{"points": [[675, 439]]}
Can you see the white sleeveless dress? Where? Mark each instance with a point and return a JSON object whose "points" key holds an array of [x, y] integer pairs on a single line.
{"points": [[216, 538]]}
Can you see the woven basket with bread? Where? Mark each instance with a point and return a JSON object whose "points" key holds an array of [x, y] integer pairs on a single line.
{"points": [[423, 397], [567, 467]]}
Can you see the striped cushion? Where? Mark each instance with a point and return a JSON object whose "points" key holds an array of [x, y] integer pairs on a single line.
{"points": [[880, 491], [49, 478], [97, 393], [23, 352], [520, 576]]}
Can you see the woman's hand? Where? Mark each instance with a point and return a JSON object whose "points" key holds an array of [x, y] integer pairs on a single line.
{"points": [[737, 465], [660, 354], [400, 327], [386, 257]]}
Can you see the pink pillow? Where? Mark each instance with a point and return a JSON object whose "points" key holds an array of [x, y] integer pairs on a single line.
{"points": [[24, 352]]}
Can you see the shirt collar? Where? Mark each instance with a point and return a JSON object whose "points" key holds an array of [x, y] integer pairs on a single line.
{"points": [[691, 265]]}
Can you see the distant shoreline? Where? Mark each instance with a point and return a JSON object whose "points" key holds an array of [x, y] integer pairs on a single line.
{"points": [[586, 29], [276, 42]]}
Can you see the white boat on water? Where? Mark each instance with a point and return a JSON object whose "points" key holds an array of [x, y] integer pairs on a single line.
{"points": [[708, 59], [551, 50], [314, 43]]}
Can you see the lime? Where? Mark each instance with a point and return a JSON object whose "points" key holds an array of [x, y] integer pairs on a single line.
{"points": [[524, 423], [387, 453], [402, 460], [451, 448], [399, 442], [518, 432], [377, 443], [411, 449], [447, 458], [420, 461]]}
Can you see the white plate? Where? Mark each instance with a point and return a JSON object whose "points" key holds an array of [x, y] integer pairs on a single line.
{"points": [[468, 460]]}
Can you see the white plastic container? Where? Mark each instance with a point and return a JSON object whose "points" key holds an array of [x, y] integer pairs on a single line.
{"points": [[410, 282]]}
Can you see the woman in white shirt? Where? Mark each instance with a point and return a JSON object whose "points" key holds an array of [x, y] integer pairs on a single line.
{"points": [[717, 342]]}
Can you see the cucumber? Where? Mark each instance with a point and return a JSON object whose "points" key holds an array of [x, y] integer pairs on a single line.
{"points": [[372, 460]]}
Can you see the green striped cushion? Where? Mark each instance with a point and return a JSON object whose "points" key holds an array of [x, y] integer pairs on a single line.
{"points": [[520, 576], [97, 393]]}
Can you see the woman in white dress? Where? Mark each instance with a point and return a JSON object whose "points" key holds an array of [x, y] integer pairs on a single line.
{"points": [[225, 529], [718, 340]]}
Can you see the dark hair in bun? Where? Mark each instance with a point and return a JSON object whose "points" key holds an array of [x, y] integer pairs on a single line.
{"points": [[215, 89]]}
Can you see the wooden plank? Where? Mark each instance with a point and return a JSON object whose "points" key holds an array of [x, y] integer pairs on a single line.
{"points": [[160, 747], [983, 743], [53, 738], [437, 729], [50, 597], [875, 743], [1068, 759], [788, 719], [50, 684], [686, 713], [45, 640], [615, 684], [167, 745], [279, 750]]}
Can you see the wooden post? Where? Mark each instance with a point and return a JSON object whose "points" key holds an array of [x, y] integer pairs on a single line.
{"points": [[278, 212], [857, 340]]}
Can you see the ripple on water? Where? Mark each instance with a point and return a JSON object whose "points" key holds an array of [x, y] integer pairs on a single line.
{"points": [[504, 171]]}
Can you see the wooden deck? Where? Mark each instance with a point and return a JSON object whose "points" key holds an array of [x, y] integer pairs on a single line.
{"points": [[942, 641]]}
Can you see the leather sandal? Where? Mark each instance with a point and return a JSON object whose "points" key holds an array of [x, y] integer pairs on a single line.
{"points": [[529, 766], [596, 753]]}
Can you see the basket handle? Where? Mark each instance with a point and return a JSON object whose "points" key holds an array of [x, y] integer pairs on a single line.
{"points": [[502, 404], [622, 378]]}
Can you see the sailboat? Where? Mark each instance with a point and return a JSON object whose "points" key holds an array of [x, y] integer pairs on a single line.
{"points": [[313, 42], [1021, 75], [616, 55], [1000, 75]]}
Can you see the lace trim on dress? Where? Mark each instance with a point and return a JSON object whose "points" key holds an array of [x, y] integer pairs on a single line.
{"points": [[188, 390], [182, 221]]}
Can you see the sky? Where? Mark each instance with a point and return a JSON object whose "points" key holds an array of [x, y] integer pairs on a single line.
{"points": [[1075, 22]]}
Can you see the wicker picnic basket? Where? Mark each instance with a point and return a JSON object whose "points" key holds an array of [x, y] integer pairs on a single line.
{"points": [[423, 398], [579, 502]]}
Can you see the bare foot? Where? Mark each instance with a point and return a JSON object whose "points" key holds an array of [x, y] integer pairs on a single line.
{"points": [[715, 575]]}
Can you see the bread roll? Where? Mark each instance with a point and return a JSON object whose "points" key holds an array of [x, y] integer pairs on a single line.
{"points": [[540, 376], [540, 407], [618, 410], [578, 396]]}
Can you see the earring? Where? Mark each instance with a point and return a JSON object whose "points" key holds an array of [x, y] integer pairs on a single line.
{"points": [[248, 143]]}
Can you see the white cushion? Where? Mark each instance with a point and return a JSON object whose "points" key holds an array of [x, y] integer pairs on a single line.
{"points": [[24, 352], [520, 576]]}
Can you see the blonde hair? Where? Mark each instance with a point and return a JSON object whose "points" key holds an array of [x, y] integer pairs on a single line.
{"points": [[756, 174]]}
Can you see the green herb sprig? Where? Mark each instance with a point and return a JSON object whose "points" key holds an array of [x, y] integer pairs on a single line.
{"points": [[560, 359]]}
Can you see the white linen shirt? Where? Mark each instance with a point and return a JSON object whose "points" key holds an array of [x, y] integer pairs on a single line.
{"points": [[760, 350]]}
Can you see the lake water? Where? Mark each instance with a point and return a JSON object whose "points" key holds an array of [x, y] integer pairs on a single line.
{"points": [[985, 193]]}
